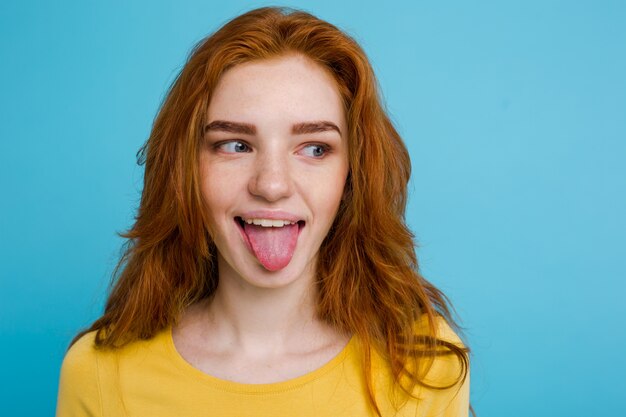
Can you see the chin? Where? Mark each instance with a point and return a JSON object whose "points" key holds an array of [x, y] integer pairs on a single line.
{"points": [[252, 272]]}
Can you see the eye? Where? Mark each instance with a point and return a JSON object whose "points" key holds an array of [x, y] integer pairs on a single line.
{"points": [[233, 146], [315, 150]]}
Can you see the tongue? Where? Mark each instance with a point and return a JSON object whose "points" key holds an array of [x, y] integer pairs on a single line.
{"points": [[273, 246]]}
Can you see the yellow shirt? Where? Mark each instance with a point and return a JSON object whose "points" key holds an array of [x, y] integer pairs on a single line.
{"points": [[151, 379]]}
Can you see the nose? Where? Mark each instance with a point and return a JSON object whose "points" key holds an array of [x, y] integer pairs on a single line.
{"points": [[271, 179]]}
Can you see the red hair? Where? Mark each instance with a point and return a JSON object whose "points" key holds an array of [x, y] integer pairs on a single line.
{"points": [[367, 271]]}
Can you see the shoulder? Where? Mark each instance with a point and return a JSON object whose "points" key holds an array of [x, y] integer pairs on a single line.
{"points": [[450, 359], [79, 380], [94, 380], [438, 381], [80, 360], [448, 373], [83, 348], [443, 330]]}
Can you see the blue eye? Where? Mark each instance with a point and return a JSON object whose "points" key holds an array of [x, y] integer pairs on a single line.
{"points": [[315, 150], [234, 146]]}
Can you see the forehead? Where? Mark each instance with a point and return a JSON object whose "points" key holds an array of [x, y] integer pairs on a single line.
{"points": [[290, 88]]}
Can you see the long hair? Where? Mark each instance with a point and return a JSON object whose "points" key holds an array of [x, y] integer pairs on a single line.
{"points": [[367, 271]]}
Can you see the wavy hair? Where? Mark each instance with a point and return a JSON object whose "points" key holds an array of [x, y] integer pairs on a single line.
{"points": [[367, 271]]}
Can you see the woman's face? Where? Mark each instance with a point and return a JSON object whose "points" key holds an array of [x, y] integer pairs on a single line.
{"points": [[273, 167]]}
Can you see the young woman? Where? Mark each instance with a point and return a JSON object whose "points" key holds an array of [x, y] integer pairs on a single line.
{"points": [[270, 271]]}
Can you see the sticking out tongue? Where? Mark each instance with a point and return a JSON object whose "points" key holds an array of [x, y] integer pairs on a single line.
{"points": [[273, 246]]}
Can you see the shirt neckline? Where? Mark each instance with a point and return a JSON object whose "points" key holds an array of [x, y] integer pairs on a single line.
{"points": [[274, 387]]}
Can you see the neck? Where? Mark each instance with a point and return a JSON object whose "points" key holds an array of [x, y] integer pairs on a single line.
{"points": [[257, 319]]}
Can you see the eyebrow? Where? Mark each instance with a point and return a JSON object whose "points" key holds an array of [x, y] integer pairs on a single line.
{"points": [[314, 127], [230, 127], [248, 129]]}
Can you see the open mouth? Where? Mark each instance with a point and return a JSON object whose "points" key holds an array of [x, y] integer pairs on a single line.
{"points": [[271, 241], [266, 222]]}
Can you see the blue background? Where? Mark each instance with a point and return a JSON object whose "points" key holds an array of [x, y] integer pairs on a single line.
{"points": [[515, 117]]}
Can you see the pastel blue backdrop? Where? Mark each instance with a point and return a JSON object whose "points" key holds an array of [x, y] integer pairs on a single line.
{"points": [[515, 117]]}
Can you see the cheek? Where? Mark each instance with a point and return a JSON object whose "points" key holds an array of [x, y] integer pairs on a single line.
{"points": [[325, 191], [216, 196], [215, 191], [217, 199]]}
